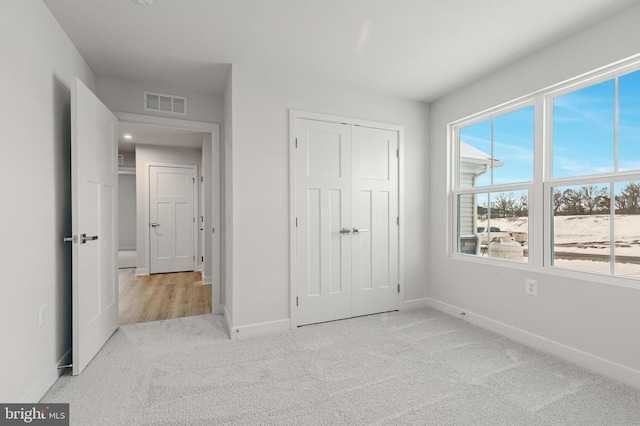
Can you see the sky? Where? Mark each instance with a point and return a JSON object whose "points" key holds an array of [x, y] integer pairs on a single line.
{"points": [[583, 134]]}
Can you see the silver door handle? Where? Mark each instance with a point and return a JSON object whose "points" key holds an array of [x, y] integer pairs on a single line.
{"points": [[155, 225], [357, 231], [84, 238], [345, 231]]}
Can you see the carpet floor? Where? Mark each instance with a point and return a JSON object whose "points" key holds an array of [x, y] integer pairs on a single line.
{"points": [[420, 367]]}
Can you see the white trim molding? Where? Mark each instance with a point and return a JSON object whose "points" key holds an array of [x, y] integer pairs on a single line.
{"points": [[227, 320], [47, 380], [261, 329], [586, 360], [415, 304]]}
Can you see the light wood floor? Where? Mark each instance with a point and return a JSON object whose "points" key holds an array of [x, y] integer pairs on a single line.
{"points": [[162, 296]]}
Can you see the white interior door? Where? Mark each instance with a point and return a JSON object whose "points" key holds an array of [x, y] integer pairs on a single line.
{"points": [[172, 219], [323, 194], [375, 221], [347, 234], [94, 175]]}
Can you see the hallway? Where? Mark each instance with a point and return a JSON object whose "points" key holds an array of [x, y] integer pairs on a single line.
{"points": [[162, 296]]}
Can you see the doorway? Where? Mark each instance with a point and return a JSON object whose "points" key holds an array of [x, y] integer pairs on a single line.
{"points": [[176, 273], [346, 208]]}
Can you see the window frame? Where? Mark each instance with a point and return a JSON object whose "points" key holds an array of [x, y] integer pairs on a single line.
{"points": [[540, 245], [454, 128]]}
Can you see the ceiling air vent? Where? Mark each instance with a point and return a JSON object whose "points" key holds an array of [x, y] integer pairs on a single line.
{"points": [[170, 104]]}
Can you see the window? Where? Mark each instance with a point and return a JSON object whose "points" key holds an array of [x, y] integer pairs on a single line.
{"points": [[495, 172], [589, 174], [595, 139]]}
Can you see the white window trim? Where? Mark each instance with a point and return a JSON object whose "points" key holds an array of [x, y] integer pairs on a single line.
{"points": [[540, 243]]}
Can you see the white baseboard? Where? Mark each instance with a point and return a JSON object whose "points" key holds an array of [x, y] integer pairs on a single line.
{"points": [[261, 329], [38, 390], [141, 272], [414, 304], [127, 248], [589, 361], [207, 280]]}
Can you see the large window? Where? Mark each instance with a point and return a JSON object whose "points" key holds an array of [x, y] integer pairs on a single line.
{"points": [[495, 172], [588, 172], [595, 140]]}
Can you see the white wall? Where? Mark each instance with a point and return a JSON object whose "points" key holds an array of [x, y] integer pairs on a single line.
{"points": [[260, 107], [127, 211], [126, 96], [39, 65], [146, 154], [598, 319]]}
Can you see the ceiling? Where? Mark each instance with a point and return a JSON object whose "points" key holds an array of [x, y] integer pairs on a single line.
{"points": [[142, 134], [414, 49]]}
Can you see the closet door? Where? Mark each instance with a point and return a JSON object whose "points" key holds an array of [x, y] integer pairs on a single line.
{"points": [[375, 250], [323, 210], [347, 233]]}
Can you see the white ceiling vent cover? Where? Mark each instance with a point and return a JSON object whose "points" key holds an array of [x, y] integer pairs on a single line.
{"points": [[170, 104]]}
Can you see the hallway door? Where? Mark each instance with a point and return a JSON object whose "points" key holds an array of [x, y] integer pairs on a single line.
{"points": [[94, 195], [172, 218]]}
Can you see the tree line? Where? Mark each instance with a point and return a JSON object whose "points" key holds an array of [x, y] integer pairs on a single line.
{"points": [[585, 200], [593, 199]]}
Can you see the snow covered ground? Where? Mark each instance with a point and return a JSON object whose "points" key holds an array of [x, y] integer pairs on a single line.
{"points": [[586, 238]]}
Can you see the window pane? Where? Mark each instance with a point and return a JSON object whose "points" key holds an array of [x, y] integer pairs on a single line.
{"points": [[467, 219], [629, 122], [475, 155], [513, 147], [583, 131], [504, 229], [581, 228], [627, 229]]}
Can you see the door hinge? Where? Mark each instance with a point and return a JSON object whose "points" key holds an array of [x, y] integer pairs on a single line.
{"points": [[296, 142], [194, 219], [296, 300], [194, 180], [201, 178], [201, 258], [213, 230], [397, 220], [296, 222], [398, 288], [194, 258], [398, 153]]}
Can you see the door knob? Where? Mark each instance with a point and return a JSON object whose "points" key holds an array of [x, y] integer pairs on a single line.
{"points": [[357, 231], [345, 231], [155, 225], [84, 238]]}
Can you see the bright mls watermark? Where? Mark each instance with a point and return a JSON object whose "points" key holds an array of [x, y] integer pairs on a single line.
{"points": [[34, 414]]}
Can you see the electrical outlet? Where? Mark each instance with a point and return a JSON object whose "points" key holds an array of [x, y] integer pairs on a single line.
{"points": [[41, 316], [531, 287]]}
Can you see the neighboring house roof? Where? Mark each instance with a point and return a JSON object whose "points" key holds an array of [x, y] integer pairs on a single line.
{"points": [[470, 154]]}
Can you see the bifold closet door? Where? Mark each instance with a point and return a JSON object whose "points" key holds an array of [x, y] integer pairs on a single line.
{"points": [[375, 221], [347, 213], [323, 204]]}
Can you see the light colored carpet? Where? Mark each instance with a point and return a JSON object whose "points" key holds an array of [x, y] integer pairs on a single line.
{"points": [[127, 258], [419, 367]]}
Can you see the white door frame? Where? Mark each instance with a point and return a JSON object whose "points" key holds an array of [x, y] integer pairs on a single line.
{"points": [[293, 116], [195, 211], [212, 183]]}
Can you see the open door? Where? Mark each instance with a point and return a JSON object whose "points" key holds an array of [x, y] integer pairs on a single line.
{"points": [[94, 187]]}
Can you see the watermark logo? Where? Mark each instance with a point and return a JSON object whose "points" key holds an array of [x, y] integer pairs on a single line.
{"points": [[34, 414]]}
